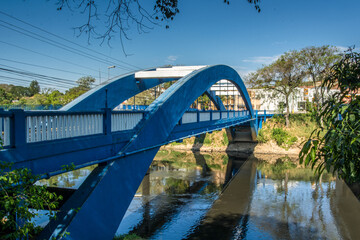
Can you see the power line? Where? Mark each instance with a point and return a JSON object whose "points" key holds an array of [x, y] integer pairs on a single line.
{"points": [[19, 80], [57, 44], [64, 39], [38, 76], [50, 68], [58, 59]]}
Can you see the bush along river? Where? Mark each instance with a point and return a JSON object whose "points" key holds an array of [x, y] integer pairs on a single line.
{"points": [[189, 195]]}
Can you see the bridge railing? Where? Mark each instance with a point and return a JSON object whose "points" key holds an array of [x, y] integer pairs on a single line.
{"points": [[19, 127], [121, 121], [193, 117], [5, 127], [53, 125]]}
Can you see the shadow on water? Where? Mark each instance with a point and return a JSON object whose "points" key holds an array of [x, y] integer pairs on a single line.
{"points": [[231, 207], [193, 195]]}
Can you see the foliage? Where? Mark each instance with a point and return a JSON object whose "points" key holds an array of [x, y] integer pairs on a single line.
{"points": [[225, 140], [18, 195], [34, 87], [103, 19], [282, 77], [335, 145], [262, 138], [274, 129], [31, 96], [290, 71], [85, 83], [282, 137], [317, 62]]}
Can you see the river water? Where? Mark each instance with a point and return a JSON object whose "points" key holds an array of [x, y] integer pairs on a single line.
{"points": [[188, 195]]}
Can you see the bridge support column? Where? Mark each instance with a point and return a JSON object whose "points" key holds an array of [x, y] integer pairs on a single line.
{"points": [[110, 194]]}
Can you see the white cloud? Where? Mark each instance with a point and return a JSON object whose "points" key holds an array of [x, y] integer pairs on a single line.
{"points": [[342, 49], [262, 59], [243, 71], [171, 58]]}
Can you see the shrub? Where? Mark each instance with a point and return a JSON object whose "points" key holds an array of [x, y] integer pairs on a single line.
{"points": [[283, 138], [262, 138], [279, 135], [225, 140]]}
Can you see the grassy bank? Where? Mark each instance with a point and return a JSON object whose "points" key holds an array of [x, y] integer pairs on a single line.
{"points": [[301, 126], [273, 133]]}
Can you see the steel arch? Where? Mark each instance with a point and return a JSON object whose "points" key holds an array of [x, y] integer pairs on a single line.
{"points": [[112, 193]]}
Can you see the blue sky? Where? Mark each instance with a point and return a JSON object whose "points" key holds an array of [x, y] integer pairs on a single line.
{"points": [[205, 32]]}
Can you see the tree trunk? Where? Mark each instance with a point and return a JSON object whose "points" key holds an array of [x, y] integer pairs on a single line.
{"points": [[287, 112]]}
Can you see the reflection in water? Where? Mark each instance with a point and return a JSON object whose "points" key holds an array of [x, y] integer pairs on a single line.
{"points": [[202, 196], [188, 195]]}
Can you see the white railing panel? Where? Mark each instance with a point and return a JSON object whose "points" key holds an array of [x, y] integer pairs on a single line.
{"points": [[124, 121], [224, 115], [204, 116], [5, 130], [216, 116], [53, 127], [231, 114], [189, 117]]}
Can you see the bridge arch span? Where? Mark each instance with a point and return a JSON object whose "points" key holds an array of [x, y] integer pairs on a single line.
{"points": [[165, 112], [110, 189]]}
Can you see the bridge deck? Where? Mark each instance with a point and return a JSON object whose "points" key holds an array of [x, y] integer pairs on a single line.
{"points": [[47, 140]]}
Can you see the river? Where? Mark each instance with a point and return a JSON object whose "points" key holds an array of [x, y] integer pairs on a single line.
{"points": [[188, 195]]}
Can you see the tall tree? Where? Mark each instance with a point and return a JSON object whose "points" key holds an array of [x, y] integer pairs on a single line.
{"points": [[85, 83], [34, 87], [317, 62], [335, 145], [282, 77]]}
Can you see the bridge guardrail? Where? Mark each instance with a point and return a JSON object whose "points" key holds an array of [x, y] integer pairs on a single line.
{"points": [[5, 127], [121, 121], [18, 127], [193, 117], [53, 125]]}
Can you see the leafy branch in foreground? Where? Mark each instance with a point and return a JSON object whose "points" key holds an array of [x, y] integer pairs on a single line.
{"points": [[335, 146], [18, 197]]}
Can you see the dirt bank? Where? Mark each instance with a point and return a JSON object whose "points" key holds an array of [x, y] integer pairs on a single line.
{"points": [[268, 148]]}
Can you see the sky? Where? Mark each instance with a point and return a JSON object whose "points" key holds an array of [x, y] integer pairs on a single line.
{"points": [[205, 32]]}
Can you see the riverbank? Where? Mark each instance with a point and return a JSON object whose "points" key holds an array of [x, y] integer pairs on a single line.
{"points": [[240, 147], [273, 138]]}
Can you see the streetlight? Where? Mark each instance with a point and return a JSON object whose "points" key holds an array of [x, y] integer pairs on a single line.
{"points": [[109, 71]]}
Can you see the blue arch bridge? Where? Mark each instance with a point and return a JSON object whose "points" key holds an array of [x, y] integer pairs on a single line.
{"points": [[122, 143]]}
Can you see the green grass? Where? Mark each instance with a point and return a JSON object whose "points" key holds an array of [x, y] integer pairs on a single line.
{"points": [[301, 126]]}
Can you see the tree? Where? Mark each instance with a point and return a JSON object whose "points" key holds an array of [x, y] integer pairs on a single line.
{"points": [[20, 91], [18, 194], [335, 145], [5, 97], [85, 83], [317, 62], [34, 87], [281, 77], [118, 17]]}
